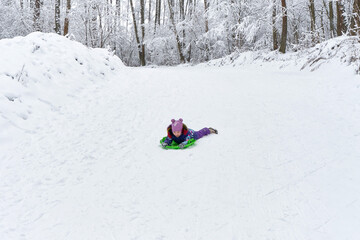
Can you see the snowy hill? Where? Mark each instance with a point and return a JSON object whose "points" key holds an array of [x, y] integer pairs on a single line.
{"points": [[80, 155], [40, 71]]}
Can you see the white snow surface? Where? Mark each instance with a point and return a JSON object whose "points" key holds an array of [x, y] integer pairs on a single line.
{"points": [[343, 51], [80, 156]]}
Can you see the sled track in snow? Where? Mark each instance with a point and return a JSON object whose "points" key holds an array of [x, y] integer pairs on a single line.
{"points": [[93, 169]]}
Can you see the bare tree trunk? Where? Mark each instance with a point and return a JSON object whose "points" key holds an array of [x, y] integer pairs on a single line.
{"points": [[57, 17], [341, 27], [157, 14], [182, 59], [93, 25], [331, 18], [118, 11], [322, 25], [355, 19], [206, 17], [22, 10], [67, 21], [189, 11], [274, 30], [207, 50], [182, 18], [315, 38], [136, 31], [284, 27], [296, 34], [86, 23], [36, 15], [312, 16], [142, 17]]}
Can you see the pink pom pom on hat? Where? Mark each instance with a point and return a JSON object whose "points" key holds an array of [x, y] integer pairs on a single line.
{"points": [[177, 125]]}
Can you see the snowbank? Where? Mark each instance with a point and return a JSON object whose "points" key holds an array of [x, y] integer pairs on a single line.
{"points": [[40, 71], [87, 163], [343, 51]]}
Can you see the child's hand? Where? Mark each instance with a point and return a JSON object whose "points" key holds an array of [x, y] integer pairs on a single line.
{"points": [[181, 145], [164, 144]]}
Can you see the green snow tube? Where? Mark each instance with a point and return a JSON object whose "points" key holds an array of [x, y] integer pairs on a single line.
{"points": [[174, 145]]}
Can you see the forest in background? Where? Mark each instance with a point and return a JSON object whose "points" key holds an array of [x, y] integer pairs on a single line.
{"points": [[171, 32]]}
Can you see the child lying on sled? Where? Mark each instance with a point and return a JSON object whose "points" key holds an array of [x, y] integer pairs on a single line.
{"points": [[178, 132]]}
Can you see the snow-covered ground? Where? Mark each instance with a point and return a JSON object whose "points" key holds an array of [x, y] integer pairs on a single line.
{"points": [[341, 51], [80, 155]]}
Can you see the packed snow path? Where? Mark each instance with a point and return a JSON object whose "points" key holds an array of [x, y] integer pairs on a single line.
{"points": [[285, 164]]}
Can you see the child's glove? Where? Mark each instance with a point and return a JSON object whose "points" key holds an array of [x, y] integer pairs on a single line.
{"points": [[181, 145], [164, 144]]}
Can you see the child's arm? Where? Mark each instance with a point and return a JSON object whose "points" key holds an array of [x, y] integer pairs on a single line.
{"points": [[188, 137], [168, 141]]}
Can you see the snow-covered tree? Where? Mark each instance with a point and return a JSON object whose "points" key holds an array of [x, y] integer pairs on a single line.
{"points": [[169, 32]]}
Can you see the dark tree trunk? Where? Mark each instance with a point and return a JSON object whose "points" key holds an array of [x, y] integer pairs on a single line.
{"points": [[189, 11], [118, 9], [207, 50], [312, 16], [284, 27], [322, 25], [341, 27], [206, 5], [86, 23], [93, 25], [314, 33], [182, 18], [142, 19], [274, 30], [157, 14], [136, 31], [331, 18], [117, 14], [355, 19], [67, 21], [57, 17], [37, 7]]}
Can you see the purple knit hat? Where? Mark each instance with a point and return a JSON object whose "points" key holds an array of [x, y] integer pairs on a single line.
{"points": [[177, 125]]}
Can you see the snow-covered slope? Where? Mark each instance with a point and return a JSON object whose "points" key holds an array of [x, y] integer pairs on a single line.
{"points": [[343, 51], [85, 162], [40, 72]]}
